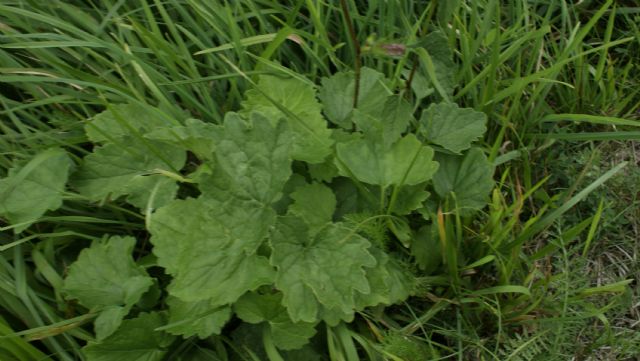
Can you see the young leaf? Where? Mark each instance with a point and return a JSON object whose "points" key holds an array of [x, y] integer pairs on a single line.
{"points": [[452, 127], [120, 120], [469, 177], [287, 335], [315, 204], [198, 318], [407, 162], [321, 270], [135, 340], [210, 247], [29, 191], [106, 278], [312, 138], [195, 136], [337, 94], [113, 171]]}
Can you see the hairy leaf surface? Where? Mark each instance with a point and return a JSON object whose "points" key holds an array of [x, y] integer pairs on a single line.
{"points": [[325, 269], [255, 156], [210, 247]]}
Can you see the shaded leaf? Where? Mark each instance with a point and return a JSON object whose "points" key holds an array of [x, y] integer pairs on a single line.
{"points": [[286, 334], [135, 340], [469, 177], [315, 204], [390, 282], [426, 249]]}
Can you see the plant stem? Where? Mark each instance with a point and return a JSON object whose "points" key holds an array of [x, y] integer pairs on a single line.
{"points": [[356, 48]]}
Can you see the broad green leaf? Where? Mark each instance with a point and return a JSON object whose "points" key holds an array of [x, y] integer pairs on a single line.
{"points": [[387, 125], [255, 156], [198, 318], [409, 199], [120, 121], [407, 162], [106, 278], [315, 204], [287, 335], [390, 282], [210, 247], [325, 269], [337, 94], [469, 177], [113, 171], [312, 138], [452, 127], [135, 340], [195, 136], [109, 320], [31, 190]]}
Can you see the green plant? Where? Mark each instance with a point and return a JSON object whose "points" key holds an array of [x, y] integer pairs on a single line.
{"points": [[123, 101]]}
